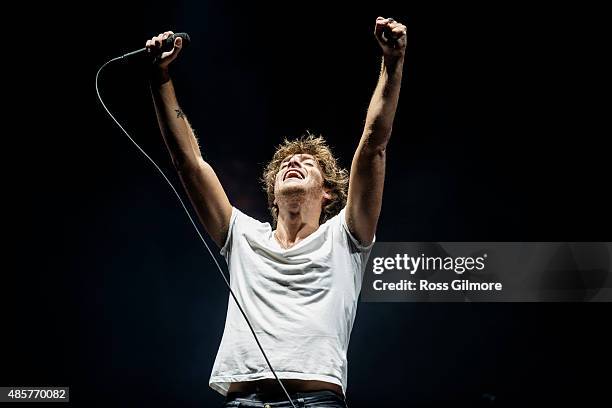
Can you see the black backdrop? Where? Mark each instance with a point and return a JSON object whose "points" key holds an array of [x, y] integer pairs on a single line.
{"points": [[499, 136]]}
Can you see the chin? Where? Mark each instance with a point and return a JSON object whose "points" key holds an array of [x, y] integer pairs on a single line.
{"points": [[291, 189]]}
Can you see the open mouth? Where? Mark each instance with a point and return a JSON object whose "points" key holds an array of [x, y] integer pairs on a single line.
{"points": [[293, 173]]}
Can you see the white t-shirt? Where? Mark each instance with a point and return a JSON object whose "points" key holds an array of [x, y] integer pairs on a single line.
{"points": [[301, 302]]}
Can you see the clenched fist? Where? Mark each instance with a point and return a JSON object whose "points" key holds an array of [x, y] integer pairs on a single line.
{"points": [[154, 47], [391, 36]]}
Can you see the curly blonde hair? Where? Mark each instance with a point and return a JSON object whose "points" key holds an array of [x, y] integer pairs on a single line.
{"points": [[335, 178]]}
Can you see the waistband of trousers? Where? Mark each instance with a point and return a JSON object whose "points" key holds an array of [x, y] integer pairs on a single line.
{"points": [[279, 396]]}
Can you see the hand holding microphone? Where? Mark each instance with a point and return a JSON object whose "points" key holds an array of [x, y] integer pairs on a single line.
{"points": [[165, 47]]}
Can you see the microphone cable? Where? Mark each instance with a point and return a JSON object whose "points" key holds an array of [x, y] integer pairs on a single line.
{"points": [[192, 223]]}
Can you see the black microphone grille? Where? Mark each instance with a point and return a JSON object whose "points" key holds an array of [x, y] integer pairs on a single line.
{"points": [[169, 43]]}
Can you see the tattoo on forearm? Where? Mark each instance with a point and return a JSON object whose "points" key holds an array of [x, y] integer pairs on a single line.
{"points": [[179, 113]]}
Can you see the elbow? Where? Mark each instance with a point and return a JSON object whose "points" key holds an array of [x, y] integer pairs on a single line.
{"points": [[186, 165], [368, 161], [374, 150], [375, 140], [379, 127], [379, 151]]}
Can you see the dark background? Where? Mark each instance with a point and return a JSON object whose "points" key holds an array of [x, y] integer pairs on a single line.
{"points": [[499, 136]]}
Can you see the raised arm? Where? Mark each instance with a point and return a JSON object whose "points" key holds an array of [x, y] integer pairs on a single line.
{"points": [[368, 166], [200, 181]]}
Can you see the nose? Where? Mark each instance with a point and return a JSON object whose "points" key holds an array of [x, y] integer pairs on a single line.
{"points": [[293, 161]]}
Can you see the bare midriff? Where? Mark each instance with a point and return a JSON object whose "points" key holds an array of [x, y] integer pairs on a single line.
{"points": [[292, 386]]}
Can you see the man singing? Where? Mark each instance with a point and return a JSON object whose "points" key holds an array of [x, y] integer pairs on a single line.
{"points": [[298, 280]]}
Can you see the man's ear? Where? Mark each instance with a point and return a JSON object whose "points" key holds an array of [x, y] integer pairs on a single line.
{"points": [[327, 194]]}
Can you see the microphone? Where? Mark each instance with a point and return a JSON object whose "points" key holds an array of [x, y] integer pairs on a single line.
{"points": [[167, 44]]}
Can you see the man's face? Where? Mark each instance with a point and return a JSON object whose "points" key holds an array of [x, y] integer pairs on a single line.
{"points": [[299, 175]]}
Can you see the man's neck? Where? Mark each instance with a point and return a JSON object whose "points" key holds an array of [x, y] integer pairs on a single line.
{"points": [[296, 223]]}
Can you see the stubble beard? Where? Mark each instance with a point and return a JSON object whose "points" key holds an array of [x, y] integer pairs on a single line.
{"points": [[296, 195]]}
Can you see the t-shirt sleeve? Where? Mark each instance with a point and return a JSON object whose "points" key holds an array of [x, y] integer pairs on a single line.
{"points": [[227, 246], [359, 252], [354, 241]]}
